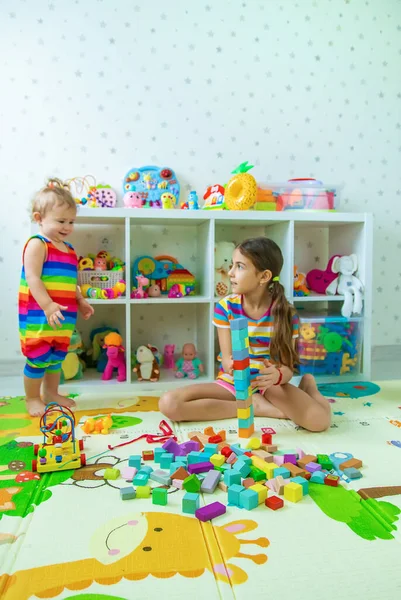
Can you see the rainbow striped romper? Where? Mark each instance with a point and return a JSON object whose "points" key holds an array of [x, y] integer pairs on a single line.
{"points": [[45, 348]]}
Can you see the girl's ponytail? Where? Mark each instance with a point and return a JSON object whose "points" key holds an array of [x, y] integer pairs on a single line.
{"points": [[283, 351]]}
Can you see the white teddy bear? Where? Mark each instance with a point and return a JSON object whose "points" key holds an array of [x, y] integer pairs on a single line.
{"points": [[223, 254]]}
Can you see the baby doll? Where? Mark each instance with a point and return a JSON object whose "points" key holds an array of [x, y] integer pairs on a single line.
{"points": [[189, 365]]}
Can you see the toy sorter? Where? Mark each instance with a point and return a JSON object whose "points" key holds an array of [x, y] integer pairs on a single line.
{"points": [[329, 344]]}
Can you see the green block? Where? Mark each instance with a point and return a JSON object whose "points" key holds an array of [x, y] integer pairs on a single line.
{"points": [[257, 474], [190, 503], [111, 474], [324, 461], [159, 496], [191, 484]]}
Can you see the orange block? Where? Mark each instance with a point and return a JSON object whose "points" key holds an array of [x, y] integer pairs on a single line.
{"points": [[302, 462], [352, 462], [246, 433], [294, 470]]}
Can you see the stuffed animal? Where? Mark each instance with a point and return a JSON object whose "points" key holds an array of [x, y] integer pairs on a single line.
{"points": [[147, 367], [189, 365], [113, 343], [300, 288], [322, 282], [223, 253], [347, 284]]}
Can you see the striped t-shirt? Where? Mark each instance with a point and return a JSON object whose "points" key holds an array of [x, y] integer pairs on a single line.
{"points": [[259, 332]]}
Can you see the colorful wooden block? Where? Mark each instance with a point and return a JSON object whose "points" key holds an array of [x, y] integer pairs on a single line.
{"points": [[266, 456], [257, 474], [242, 395], [177, 483], [232, 477], [238, 324], [318, 477], [248, 482], [246, 423], [111, 474], [293, 492], [332, 480], [261, 491], [191, 484], [158, 452], [303, 483], [180, 473], [209, 484], [307, 458], [141, 479], [148, 455], [135, 461], [249, 499], [242, 467], [267, 438], [211, 511], [161, 476], [246, 433], [236, 448], [242, 404], [143, 491], [234, 492], [159, 496], [290, 458], [282, 472], [294, 470], [146, 469], [217, 460], [240, 353], [353, 462], [352, 473], [202, 467], [242, 375], [324, 460], [312, 467], [166, 459], [127, 493], [210, 449], [128, 473], [238, 365], [253, 444], [190, 503], [274, 503]]}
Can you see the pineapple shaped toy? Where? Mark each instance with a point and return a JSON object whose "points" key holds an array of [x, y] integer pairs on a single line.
{"points": [[240, 192]]}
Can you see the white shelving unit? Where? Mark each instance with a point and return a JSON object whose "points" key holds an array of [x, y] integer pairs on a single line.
{"points": [[307, 239]]}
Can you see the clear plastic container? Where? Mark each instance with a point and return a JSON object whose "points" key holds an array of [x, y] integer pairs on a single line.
{"points": [[298, 194], [329, 344]]}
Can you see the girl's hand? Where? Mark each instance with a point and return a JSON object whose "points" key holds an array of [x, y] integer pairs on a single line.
{"points": [[85, 308], [53, 314], [267, 377], [228, 365]]}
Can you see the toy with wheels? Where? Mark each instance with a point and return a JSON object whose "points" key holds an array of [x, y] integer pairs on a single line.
{"points": [[60, 450], [150, 184]]}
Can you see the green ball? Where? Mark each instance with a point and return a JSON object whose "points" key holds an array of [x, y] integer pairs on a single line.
{"points": [[58, 432], [42, 453]]}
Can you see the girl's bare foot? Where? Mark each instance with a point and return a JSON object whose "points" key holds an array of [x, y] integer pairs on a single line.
{"points": [[35, 407], [264, 408], [62, 400]]}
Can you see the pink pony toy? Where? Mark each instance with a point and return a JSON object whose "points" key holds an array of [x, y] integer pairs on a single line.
{"points": [[140, 292], [321, 281], [169, 356], [115, 357]]}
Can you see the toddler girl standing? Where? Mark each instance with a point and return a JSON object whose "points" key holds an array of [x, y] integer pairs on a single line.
{"points": [[49, 297]]}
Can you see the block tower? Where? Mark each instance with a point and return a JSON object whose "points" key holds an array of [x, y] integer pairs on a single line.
{"points": [[242, 376]]}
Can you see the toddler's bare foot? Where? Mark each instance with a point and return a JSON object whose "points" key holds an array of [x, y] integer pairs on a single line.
{"points": [[264, 408], [35, 407], [62, 400]]}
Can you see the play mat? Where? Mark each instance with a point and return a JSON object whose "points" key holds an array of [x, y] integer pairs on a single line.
{"points": [[69, 535]]}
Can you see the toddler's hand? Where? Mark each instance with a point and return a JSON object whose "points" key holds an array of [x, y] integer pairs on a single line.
{"points": [[53, 314], [85, 308], [228, 365], [267, 377]]}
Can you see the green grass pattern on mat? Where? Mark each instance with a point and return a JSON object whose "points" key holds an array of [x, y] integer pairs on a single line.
{"points": [[30, 493], [121, 421], [94, 597], [12, 405], [347, 507]]}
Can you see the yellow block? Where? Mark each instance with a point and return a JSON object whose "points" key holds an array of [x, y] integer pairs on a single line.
{"points": [[253, 444], [261, 491], [244, 413], [143, 491], [217, 460], [293, 492]]}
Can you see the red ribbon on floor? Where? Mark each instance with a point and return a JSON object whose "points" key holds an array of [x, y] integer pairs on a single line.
{"points": [[166, 434]]}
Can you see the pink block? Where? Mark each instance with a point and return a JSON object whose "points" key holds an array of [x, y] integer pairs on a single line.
{"points": [[232, 458], [270, 484], [278, 459], [177, 483], [300, 453], [129, 473]]}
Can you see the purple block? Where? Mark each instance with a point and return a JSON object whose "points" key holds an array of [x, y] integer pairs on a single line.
{"points": [[173, 448], [290, 458], [190, 446], [313, 467], [200, 467], [211, 511]]}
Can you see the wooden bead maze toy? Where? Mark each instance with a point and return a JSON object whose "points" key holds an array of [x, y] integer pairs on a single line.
{"points": [[242, 376], [60, 450]]}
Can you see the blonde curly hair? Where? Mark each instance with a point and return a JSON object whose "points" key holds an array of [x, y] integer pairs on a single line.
{"points": [[54, 193]]}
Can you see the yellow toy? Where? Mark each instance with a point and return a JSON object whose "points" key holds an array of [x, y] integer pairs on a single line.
{"points": [[60, 450], [96, 426], [240, 192]]}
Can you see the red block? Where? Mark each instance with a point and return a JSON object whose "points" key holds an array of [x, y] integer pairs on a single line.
{"points": [[226, 451], [248, 453], [215, 439], [148, 455], [332, 480], [240, 365], [274, 502], [266, 438]]}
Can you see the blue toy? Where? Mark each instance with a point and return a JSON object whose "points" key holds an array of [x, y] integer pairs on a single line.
{"points": [[157, 187], [192, 202]]}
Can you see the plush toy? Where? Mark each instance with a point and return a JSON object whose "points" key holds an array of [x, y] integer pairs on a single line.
{"points": [[154, 291], [347, 284], [223, 253], [113, 343], [169, 356], [147, 367], [300, 288], [189, 365], [322, 282]]}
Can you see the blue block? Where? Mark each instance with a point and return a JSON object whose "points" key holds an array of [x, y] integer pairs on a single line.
{"points": [[196, 457], [242, 395], [246, 459], [244, 375], [146, 469], [183, 460], [245, 423], [249, 499], [158, 453], [190, 503], [135, 461], [352, 473], [240, 323], [166, 459], [127, 493], [240, 354], [318, 477], [174, 467], [241, 386], [242, 467], [225, 467], [238, 345], [210, 449], [236, 448], [302, 481], [231, 477], [285, 473], [239, 335], [141, 479], [234, 492]]}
